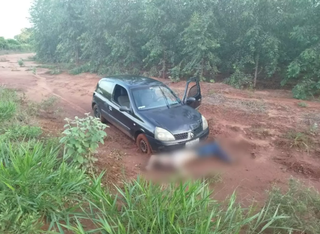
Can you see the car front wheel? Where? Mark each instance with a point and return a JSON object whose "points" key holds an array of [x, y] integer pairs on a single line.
{"points": [[143, 144]]}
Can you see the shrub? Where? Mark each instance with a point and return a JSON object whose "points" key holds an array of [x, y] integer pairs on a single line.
{"points": [[240, 80], [81, 69], [81, 138], [302, 91], [20, 62]]}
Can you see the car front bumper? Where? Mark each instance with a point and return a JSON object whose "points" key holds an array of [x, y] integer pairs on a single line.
{"points": [[159, 146]]}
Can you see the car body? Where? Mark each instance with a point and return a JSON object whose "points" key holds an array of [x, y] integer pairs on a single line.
{"points": [[150, 113]]}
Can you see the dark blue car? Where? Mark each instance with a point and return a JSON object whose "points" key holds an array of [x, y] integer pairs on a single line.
{"points": [[151, 113]]}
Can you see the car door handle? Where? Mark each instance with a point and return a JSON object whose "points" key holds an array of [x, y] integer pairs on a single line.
{"points": [[110, 108]]}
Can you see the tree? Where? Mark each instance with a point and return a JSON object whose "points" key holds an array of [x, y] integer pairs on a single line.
{"points": [[25, 37], [3, 44], [243, 40], [199, 46], [305, 67], [257, 47]]}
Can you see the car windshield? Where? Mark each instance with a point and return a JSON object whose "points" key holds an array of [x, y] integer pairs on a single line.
{"points": [[154, 97]]}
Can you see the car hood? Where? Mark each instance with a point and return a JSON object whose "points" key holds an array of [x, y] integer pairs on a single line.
{"points": [[175, 119]]}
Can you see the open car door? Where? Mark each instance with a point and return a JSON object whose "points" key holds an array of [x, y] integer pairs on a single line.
{"points": [[192, 96]]}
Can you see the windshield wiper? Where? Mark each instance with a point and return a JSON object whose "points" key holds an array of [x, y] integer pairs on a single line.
{"points": [[168, 105]]}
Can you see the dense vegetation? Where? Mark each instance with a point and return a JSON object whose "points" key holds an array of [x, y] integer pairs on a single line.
{"points": [[21, 43], [245, 41]]}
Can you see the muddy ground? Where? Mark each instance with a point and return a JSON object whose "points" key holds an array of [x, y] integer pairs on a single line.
{"points": [[270, 134]]}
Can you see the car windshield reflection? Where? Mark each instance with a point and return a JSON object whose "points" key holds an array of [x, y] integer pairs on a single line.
{"points": [[154, 97]]}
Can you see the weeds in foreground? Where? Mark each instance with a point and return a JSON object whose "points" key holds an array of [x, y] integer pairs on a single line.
{"points": [[36, 186], [300, 203], [186, 207], [8, 104]]}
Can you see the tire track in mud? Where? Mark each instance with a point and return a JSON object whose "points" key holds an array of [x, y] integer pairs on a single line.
{"points": [[42, 83]]}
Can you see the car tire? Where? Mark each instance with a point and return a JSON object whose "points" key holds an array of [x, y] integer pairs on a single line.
{"points": [[143, 144], [97, 114]]}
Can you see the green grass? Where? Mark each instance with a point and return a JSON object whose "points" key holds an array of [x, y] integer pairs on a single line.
{"points": [[300, 203], [8, 105], [19, 132], [37, 185], [179, 207]]}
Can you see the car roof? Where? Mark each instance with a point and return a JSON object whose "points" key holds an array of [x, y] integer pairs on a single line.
{"points": [[130, 81]]}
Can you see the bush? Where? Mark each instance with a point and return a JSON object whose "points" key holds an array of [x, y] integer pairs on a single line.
{"points": [[305, 90], [81, 139], [240, 80], [20, 62], [81, 69]]}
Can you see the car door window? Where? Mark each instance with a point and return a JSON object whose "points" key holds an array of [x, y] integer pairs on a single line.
{"points": [[106, 87], [120, 96], [193, 91]]}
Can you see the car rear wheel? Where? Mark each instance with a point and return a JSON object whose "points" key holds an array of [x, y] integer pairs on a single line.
{"points": [[97, 113], [143, 144]]}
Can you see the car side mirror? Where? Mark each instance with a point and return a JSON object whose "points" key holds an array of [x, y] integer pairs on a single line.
{"points": [[190, 100], [124, 109]]}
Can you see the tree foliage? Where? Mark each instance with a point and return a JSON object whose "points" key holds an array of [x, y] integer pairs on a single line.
{"points": [[256, 39], [22, 42]]}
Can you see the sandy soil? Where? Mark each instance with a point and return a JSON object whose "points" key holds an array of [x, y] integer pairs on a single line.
{"points": [[255, 126]]}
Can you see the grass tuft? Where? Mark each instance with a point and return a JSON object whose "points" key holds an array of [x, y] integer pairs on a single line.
{"points": [[8, 104]]}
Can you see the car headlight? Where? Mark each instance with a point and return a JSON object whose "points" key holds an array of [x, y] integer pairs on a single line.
{"points": [[163, 135], [204, 123]]}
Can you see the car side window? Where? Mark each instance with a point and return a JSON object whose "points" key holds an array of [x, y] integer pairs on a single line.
{"points": [[106, 88], [120, 96]]}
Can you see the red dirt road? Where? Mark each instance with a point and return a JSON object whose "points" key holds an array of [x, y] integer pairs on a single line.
{"points": [[256, 126]]}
